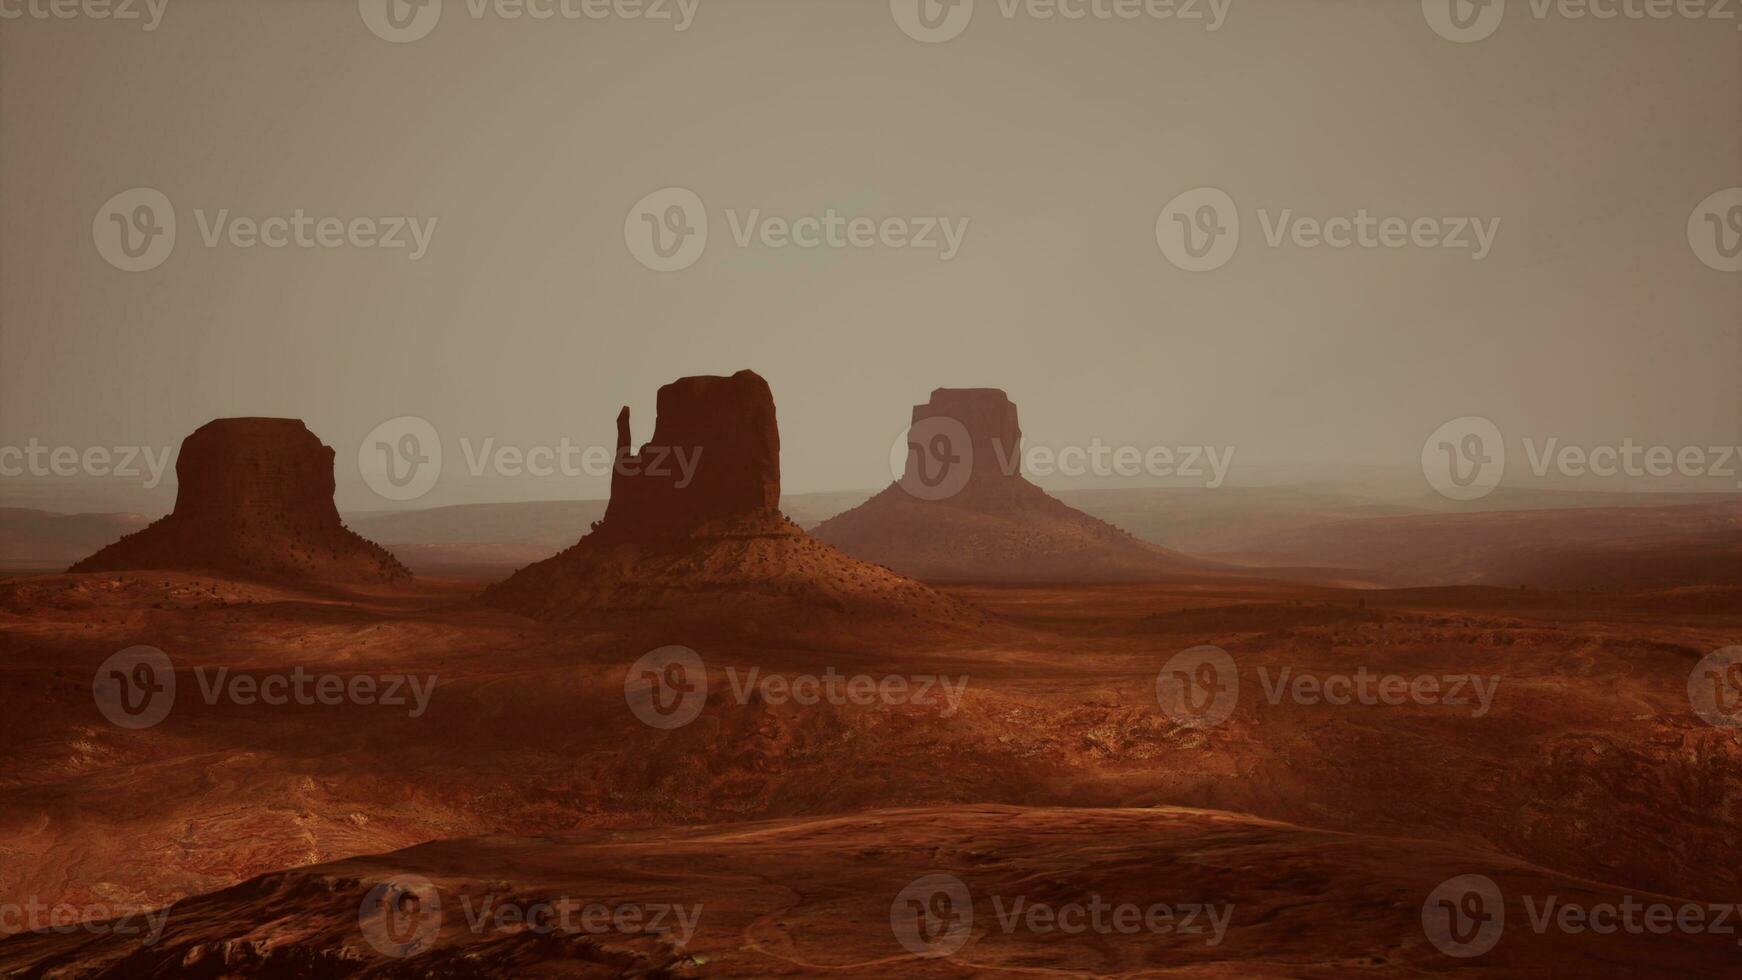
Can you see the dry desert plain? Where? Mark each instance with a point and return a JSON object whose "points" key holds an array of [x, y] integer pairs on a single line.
{"points": [[1575, 768]]}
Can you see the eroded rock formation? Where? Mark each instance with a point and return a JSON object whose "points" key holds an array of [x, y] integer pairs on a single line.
{"points": [[714, 455], [694, 529], [254, 499], [962, 510]]}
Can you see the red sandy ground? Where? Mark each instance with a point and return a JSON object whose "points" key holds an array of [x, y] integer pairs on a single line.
{"points": [[1326, 826]]}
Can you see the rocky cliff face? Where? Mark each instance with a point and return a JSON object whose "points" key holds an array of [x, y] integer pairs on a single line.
{"points": [[714, 455], [962, 511], [983, 420], [694, 530], [254, 499]]}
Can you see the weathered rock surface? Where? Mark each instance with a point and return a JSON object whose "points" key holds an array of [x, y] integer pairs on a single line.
{"points": [[715, 454], [964, 512], [254, 500], [711, 544]]}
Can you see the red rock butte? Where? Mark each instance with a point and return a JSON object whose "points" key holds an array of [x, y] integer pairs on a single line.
{"points": [[715, 455], [710, 540], [963, 511], [254, 500]]}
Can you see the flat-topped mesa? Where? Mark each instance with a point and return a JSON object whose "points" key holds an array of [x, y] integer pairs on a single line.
{"points": [[963, 511], [694, 531], [254, 499], [247, 470], [964, 449], [714, 455], [988, 417]]}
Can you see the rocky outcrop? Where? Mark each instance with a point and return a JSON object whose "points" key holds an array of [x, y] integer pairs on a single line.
{"points": [[694, 531], [962, 510], [714, 455], [254, 499]]}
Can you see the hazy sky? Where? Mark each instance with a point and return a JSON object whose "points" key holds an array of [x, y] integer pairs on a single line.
{"points": [[528, 320]]}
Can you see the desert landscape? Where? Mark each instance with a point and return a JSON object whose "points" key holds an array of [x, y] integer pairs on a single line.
{"points": [[514, 749], [1021, 489]]}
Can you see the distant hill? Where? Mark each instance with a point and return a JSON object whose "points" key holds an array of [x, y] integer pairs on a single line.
{"points": [[40, 540]]}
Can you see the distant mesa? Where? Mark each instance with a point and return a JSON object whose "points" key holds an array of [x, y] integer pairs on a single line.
{"points": [[962, 510], [254, 500], [694, 525]]}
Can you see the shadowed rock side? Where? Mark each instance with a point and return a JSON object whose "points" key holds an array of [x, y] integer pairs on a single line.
{"points": [[254, 500], [694, 524], [963, 511]]}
